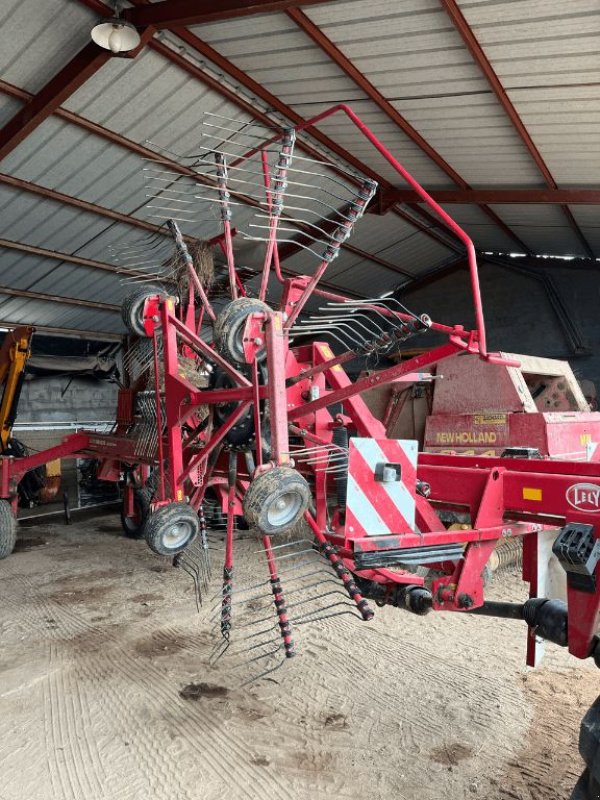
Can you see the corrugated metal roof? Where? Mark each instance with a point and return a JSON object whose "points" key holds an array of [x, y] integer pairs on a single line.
{"points": [[39, 39], [544, 228], [588, 218], [413, 55], [544, 51], [276, 45], [483, 232], [546, 55], [21, 311]]}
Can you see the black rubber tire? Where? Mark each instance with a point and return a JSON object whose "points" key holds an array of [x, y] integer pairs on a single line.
{"points": [[133, 305], [8, 529], [134, 529], [162, 523], [269, 488], [229, 327], [588, 786]]}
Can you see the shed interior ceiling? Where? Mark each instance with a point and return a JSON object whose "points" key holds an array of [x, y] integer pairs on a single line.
{"points": [[496, 95]]}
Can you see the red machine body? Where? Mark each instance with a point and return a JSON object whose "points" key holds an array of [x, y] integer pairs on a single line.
{"points": [[280, 429]]}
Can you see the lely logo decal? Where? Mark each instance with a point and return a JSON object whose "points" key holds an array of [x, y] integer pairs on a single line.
{"points": [[584, 497]]}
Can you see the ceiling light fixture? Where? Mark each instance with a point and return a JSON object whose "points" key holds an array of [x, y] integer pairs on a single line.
{"points": [[116, 34]]}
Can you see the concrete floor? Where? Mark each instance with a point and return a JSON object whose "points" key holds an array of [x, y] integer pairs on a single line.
{"points": [[99, 639]]}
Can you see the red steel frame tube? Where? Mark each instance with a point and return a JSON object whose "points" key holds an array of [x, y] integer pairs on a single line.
{"points": [[425, 197]]}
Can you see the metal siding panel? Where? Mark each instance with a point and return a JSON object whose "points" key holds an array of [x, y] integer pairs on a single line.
{"points": [[8, 108], [44, 37], [544, 228], [485, 235], [25, 311]]}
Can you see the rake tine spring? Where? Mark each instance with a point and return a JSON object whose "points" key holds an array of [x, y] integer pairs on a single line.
{"points": [[304, 601], [264, 584], [226, 602], [279, 600], [343, 574]]}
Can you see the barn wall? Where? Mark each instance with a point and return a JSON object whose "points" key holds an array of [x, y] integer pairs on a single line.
{"points": [[519, 315], [62, 399]]}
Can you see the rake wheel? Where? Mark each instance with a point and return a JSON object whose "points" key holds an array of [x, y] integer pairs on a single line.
{"points": [[8, 529], [276, 500], [229, 327], [132, 308], [171, 528]]}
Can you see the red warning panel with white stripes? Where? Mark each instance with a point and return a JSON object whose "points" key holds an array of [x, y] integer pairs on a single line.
{"points": [[381, 487]]}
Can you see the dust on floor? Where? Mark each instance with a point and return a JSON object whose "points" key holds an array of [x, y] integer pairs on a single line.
{"points": [[107, 691]]}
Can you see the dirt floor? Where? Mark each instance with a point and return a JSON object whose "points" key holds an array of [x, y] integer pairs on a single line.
{"points": [[108, 689]]}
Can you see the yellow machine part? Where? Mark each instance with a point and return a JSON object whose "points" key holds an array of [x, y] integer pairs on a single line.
{"points": [[14, 352]]}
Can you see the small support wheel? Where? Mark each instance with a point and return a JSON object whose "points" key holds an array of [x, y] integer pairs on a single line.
{"points": [[8, 529], [276, 500], [171, 528], [133, 525], [229, 327], [132, 308]]}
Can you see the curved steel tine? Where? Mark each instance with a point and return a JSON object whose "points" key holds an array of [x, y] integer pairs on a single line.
{"points": [[264, 674], [379, 301], [332, 332], [239, 131], [147, 243], [228, 153], [250, 122], [248, 237], [296, 230], [349, 612], [318, 202], [340, 326], [351, 175], [402, 307], [302, 224], [348, 197], [354, 319], [331, 329], [374, 308]]}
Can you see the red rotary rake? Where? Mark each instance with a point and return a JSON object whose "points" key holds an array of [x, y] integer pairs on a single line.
{"points": [[261, 416]]}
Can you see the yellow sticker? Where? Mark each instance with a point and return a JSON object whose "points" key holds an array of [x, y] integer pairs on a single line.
{"points": [[585, 438], [337, 368], [532, 494], [327, 352], [170, 305], [180, 494], [489, 419]]}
